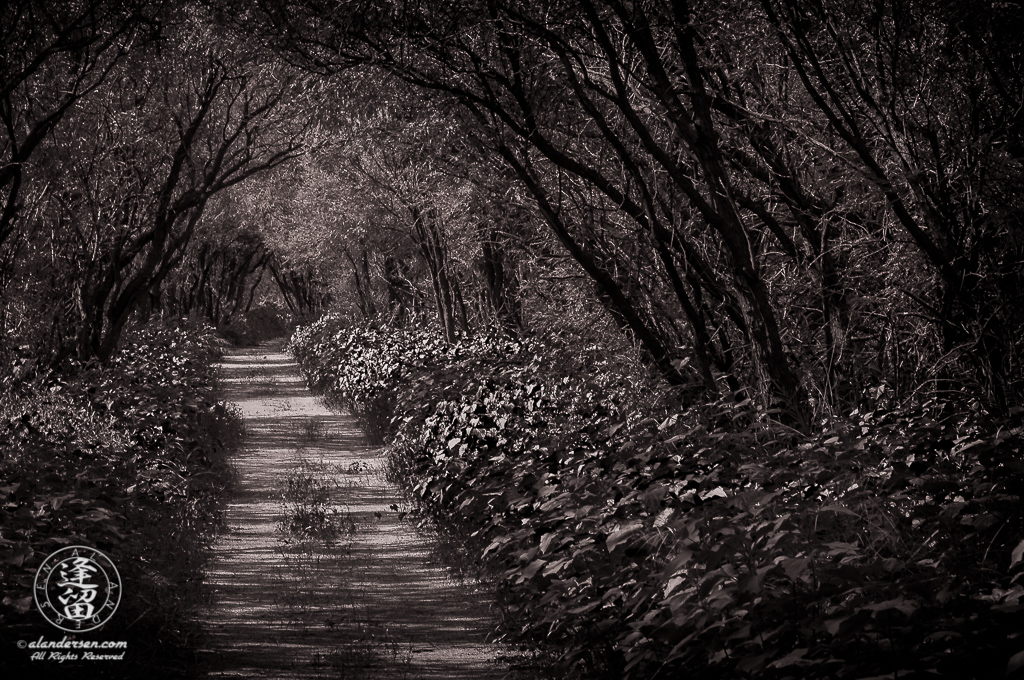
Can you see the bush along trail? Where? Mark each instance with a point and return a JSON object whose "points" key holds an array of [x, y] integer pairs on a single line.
{"points": [[128, 458], [631, 537]]}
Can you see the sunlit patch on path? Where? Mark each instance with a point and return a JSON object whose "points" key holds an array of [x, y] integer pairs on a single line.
{"points": [[356, 598]]}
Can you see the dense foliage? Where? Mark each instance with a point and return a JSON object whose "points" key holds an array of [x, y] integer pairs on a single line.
{"points": [[123, 123], [728, 365], [644, 540], [803, 199], [130, 458], [362, 368]]}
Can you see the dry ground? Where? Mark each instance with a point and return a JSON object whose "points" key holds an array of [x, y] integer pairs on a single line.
{"points": [[369, 603]]}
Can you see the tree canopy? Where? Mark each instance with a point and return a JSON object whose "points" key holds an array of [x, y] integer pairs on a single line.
{"points": [[799, 199]]}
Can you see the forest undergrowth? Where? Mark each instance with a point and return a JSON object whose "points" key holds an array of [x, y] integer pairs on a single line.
{"points": [[632, 537], [130, 458]]}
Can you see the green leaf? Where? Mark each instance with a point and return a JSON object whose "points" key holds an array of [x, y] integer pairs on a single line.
{"points": [[839, 509], [717, 492], [532, 569], [546, 540], [20, 604], [833, 626], [556, 566], [899, 604]]}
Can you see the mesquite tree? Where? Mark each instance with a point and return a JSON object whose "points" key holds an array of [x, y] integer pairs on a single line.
{"points": [[402, 217], [137, 164], [54, 55], [729, 176], [925, 102]]}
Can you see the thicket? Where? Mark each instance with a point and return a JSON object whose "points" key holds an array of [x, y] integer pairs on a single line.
{"points": [[802, 199], [704, 222], [128, 457], [358, 368], [125, 127], [641, 539]]}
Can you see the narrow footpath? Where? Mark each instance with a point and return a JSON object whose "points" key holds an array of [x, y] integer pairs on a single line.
{"points": [[370, 603]]}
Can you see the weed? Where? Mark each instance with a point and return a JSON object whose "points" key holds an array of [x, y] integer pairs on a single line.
{"points": [[370, 650], [280, 406], [315, 535], [313, 431], [357, 467], [309, 509]]}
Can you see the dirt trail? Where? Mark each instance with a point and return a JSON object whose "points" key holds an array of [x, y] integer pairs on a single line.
{"points": [[369, 604]]}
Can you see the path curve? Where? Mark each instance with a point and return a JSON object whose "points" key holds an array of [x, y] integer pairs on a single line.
{"points": [[369, 605]]}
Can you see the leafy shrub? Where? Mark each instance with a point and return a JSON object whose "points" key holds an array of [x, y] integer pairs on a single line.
{"points": [[130, 458], [363, 369], [646, 540]]}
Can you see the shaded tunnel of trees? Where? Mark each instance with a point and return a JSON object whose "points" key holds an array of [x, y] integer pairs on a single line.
{"points": [[706, 317], [796, 198]]}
